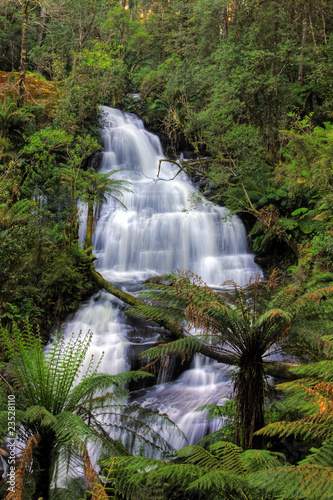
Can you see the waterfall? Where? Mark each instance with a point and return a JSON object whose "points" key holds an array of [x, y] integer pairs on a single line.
{"points": [[158, 231]]}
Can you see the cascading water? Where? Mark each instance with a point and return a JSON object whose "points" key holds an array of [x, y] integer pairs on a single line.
{"points": [[158, 232]]}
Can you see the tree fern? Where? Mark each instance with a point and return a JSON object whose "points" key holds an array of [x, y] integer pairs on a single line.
{"points": [[244, 322], [221, 483], [301, 482], [69, 407], [133, 481], [219, 472], [312, 399]]}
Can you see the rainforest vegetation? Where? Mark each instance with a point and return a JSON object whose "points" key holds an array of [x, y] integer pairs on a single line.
{"points": [[245, 88]]}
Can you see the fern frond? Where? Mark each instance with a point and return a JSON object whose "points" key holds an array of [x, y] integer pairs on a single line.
{"points": [[200, 457], [98, 383], [200, 470], [186, 347], [315, 296], [95, 487], [180, 475], [307, 428], [39, 415], [259, 460], [157, 313], [222, 482], [25, 465], [322, 370], [275, 317], [70, 428], [135, 426], [136, 476], [288, 483], [322, 456], [70, 491]]}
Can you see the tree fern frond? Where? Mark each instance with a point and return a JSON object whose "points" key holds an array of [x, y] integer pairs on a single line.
{"points": [[138, 477], [322, 370], [66, 460], [212, 438], [24, 466], [307, 428], [289, 483], [213, 410], [315, 296], [70, 428], [133, 463], [99, 383], [177, 474], [222, 482], [134, 474], [322, 456], [258, 460], [278, 317], [200, 457], [157, 313], [38, 414], [186, 347], [65, 360], [73, 488], [135, 427], [229, 456]]}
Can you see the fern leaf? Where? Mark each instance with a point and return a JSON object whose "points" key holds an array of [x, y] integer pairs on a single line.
{"points": [[221, 482], [200, 457], [288, 483], [25, 463], [259, 460], [322, 456], [186, 347]]}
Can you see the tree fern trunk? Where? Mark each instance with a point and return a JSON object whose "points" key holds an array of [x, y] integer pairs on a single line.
{"points": [[250, 399], [44, 456], [89, 232]]}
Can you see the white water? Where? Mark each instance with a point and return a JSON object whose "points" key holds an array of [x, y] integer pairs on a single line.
{"points": [[157, 233]]}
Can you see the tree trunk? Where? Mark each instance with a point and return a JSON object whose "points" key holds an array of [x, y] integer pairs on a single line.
{"points": [[89, 231], [25, 16], [41, 26], [250, 401], [44, 454], [304, 31]]}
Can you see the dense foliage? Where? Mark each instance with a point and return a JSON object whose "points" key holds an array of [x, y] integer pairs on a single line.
{"points": [[247, 83]]}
